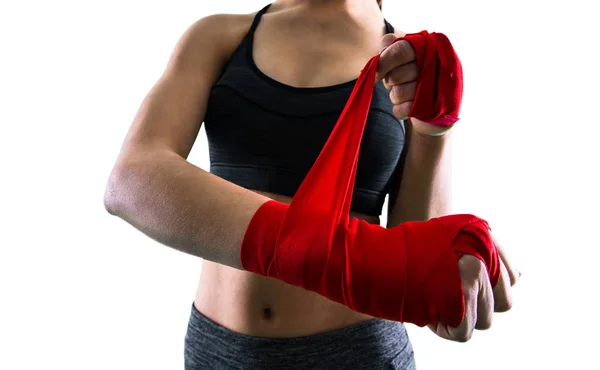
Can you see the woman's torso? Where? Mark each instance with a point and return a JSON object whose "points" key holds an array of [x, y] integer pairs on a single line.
{"points": [[327, 50]]}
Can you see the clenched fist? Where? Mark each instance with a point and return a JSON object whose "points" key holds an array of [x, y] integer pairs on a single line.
{"points": [[412, 70], [481, 300]]}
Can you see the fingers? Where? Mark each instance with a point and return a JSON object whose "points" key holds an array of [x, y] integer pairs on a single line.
{"points": [[440, 330], [471, 270], [513, 273], [480, 298], [387, 40], [464, 331], [401, 111], [403, 93], [394, 55], [502, 296], [399, 71], [479, 302], [485, 305], [402, 74], [402, 98]]}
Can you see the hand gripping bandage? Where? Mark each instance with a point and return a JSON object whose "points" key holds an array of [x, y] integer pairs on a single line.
{"points": [[408, 273], [440, 83]]}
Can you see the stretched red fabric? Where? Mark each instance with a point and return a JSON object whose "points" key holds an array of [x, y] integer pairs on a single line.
{"points": [[408, 273]]}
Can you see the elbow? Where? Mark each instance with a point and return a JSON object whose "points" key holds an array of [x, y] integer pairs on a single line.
{"points": [[110, 203], [114, 192], [110, 195], [127, 183]]}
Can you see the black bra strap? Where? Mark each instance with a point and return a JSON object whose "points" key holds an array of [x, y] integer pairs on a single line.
{"points": [[388, 27], [257, 19]]}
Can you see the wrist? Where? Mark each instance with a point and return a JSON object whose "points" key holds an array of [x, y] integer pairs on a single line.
{"points": [[427, 129], [428, 151], [432, 135]]}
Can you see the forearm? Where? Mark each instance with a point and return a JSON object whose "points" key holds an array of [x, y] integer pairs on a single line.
{"points": [[182, 206], [425, 187]]}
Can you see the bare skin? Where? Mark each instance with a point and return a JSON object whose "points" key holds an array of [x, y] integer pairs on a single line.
{"points": [[248, 303], [255, 305], [155, 189]]}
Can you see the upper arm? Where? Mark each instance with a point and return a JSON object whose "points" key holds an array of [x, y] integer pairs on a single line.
{"points": [[394, 191], [171, 114]]}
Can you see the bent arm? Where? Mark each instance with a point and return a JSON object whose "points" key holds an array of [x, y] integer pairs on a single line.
{"points": [[424, 190], [182, 206], [152, 186]]}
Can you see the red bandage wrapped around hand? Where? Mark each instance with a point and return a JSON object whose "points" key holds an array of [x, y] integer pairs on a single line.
{"points": [[408, 273], [440, 82]]}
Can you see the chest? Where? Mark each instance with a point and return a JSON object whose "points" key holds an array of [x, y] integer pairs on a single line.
{"points": [[274, 107], [321, 54]]}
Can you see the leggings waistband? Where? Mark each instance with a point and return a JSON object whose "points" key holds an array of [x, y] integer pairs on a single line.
{"points": [[372, 344]]}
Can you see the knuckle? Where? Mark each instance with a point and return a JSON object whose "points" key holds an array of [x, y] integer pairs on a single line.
{"points": [[463, 337], [394, 97], [398, 50], [484, 325], [392, 77], [400, 75], [400, 93], [478, 267], [503, 306], [515, 278], [407, 108], [402, 110], [470, 291], [404, 73], [387, 40], [472, 269], [413, 70], [386, 83]]}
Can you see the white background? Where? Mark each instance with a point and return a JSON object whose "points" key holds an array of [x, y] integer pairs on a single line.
{"points": [[80, 289]]}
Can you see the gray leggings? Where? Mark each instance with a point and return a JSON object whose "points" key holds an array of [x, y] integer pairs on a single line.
{"points": [[373, 344]]}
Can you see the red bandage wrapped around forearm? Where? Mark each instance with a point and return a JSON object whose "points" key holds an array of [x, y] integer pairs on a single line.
{"points": [[408, 273]]}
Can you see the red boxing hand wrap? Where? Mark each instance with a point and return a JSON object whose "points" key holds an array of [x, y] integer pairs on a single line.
{"points": [[408, 273], [440, 82]]}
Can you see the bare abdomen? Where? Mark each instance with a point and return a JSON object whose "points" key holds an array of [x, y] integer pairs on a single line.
{"points": [[254, 305]]}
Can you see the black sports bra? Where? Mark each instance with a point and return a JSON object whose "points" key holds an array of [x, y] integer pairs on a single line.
{"points": [[264, 135]]}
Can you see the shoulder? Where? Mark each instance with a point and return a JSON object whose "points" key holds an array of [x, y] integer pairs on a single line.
{"points": [[223, 25], [217, 34]]}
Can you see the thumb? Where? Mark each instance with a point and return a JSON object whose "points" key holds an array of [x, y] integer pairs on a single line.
{"points": [[386, 41]]}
